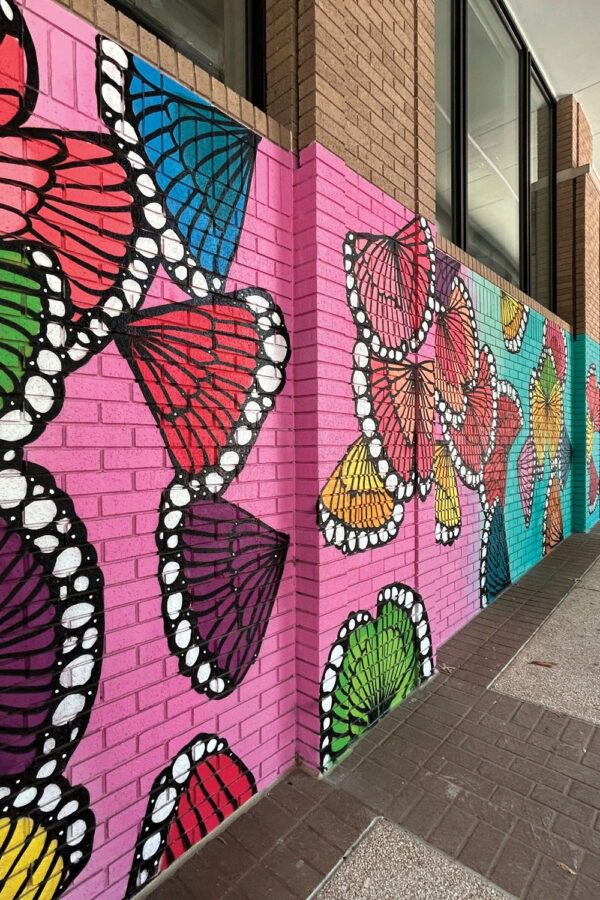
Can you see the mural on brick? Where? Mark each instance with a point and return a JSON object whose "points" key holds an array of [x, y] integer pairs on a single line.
{"points": [[592, 427], [88, 221], [50, 658], [219, 588], [204, 784], [445, 399], [372, 666]]}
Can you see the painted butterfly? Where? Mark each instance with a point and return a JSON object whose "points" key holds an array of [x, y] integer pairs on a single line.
{"points": [[220, 570]]}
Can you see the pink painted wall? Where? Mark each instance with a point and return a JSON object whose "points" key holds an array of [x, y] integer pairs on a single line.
{"points": [[106, 452]]}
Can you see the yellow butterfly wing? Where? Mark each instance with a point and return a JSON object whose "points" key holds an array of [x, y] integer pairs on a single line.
{"points": [[355, 509], [515, 316], [30, 864], [589, 436], [447, 501]]}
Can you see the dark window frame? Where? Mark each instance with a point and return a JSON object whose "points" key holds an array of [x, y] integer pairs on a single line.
{"points": [[528, 70], [256, 82]]}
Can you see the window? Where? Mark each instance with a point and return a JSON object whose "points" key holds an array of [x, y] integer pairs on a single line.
{"points": [[225, 37], [443, 116], [494, 145]]}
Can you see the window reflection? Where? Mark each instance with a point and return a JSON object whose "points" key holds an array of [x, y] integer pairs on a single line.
{"points": [[540, 167], [492, 142], [443, 113]]}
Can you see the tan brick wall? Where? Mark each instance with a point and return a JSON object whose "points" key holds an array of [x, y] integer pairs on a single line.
{"points": [[578, 222], [282, 61], [366, 91], [119, 27]]}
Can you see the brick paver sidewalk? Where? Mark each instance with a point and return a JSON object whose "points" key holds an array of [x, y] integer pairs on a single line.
{"points": [[510, 789]]}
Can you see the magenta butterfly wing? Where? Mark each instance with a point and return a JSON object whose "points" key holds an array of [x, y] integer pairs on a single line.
{"points": [[526, 473]]}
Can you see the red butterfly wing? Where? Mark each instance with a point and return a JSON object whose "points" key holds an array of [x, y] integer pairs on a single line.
{"points": [[209, 372], [26, 165], [456, 351], [18, 67], [392, 284], [554, 339], [472, 442], [591, 393], [218, 786], [402, 396], [85, 214], [509, 423], [593, 485], [395, 411]]}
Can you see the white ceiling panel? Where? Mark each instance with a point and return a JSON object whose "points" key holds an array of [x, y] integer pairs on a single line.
{"points": [[564, 38]]}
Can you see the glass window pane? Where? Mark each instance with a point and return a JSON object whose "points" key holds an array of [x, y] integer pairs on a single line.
{"points": [[443, 111], [540, 163], [213, 30], [492, 141]]}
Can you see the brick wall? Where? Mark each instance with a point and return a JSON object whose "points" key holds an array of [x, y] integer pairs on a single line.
{"points": [[119, 446], [216, 558], [367, 92]]}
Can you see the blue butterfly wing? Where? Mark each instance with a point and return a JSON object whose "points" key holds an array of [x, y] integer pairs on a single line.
{"points": [[497, 576], [203, 163]]}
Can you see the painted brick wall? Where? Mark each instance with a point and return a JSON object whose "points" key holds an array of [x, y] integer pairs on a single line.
{"points": [[200, 585], [527, 492], [165, 715]]}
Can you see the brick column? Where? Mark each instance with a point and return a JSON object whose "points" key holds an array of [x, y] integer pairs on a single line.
{"points": [[578, 286]]}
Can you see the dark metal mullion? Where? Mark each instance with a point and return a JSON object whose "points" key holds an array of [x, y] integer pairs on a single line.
{"points": [[547, 93], [525, 170], [256, 52], [459, 122]]}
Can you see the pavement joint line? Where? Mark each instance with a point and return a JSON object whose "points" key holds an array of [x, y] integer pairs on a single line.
{"points": [[348, 852], [490, 686], [454, 861]]}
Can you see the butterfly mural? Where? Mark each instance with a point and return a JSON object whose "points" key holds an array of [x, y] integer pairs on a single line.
{"points": [[194, 167], [220, 569], [515, 316], [546, 408], [209, 371], [390, 286], [396, 413], [471, 441], [448, 518], [86, 219], [203, 785], [494, 561], [592, 425], [456, 353], [50, 658], [373, 664], [527, 471], [508, 425], [355, 509], [552, 528]]}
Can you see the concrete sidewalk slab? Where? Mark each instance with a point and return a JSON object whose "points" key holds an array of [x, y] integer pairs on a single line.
{"points": [[389, 863], [560, 666]]}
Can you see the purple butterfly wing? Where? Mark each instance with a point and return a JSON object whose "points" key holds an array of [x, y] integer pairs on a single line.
{"points": [[28, 656], [51, 623], [222, 585]]}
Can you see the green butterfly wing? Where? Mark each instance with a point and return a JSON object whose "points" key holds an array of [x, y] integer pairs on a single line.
{"points": [[20, 319], [34, 310], [373, 665]]}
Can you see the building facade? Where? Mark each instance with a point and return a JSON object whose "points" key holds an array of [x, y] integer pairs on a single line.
{"points": [[271, 430]]}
